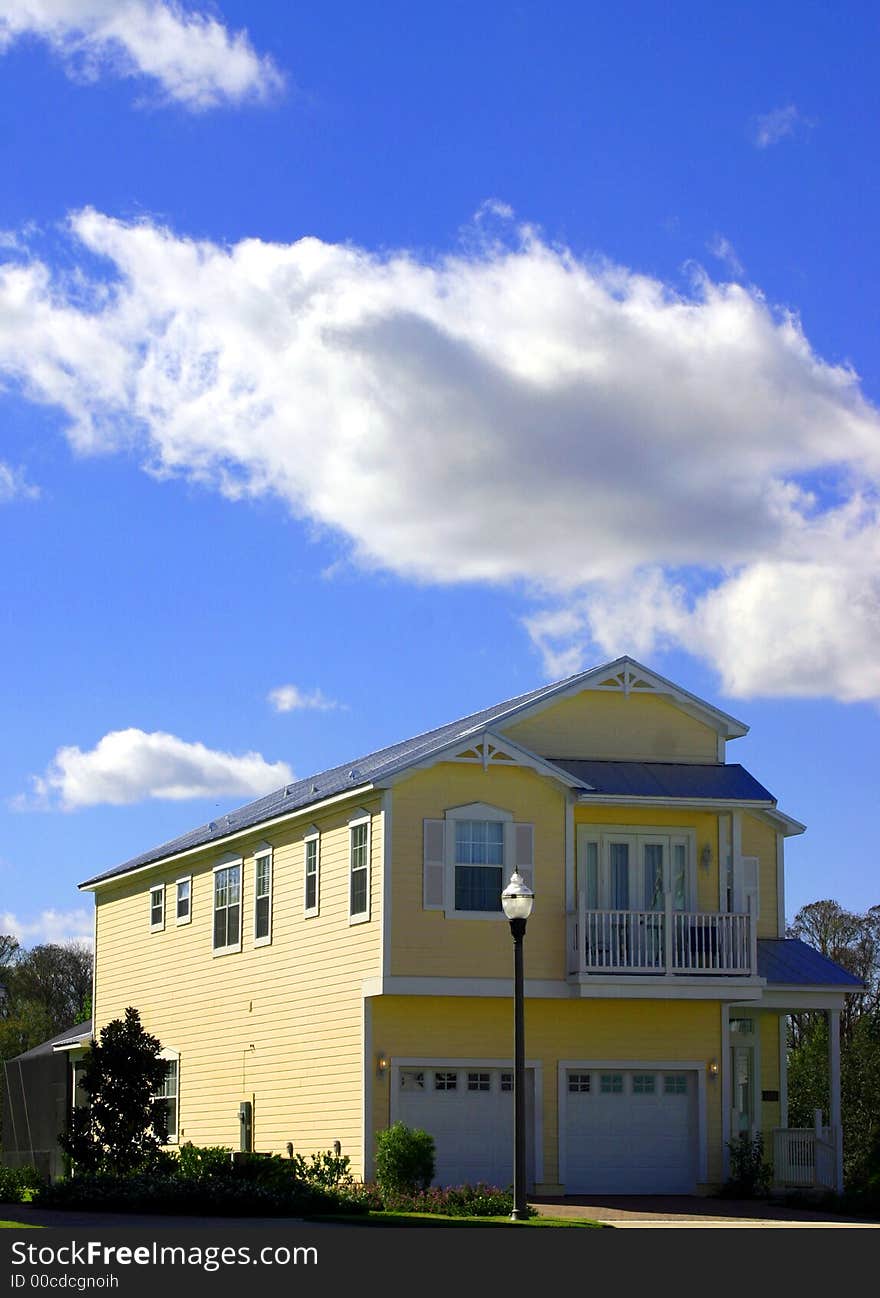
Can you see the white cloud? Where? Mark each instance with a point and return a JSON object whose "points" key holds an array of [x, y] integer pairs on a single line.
{"points": [[636, 455], [14, 485], [195, 59], [50, 926], [774, 126], [288, 698], [724, 250], [132, 765]]}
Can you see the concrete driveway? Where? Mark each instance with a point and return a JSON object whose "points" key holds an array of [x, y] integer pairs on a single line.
{"points": [[653, 1211]]}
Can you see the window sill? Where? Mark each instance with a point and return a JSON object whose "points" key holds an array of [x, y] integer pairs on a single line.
{"points": [[476, 914], [181, 923], [263, 941], [226, 950], [358, 919], [311, 914], [157, 928]]}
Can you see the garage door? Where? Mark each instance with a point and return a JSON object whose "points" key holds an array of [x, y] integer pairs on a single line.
{"points": [[630, 1132], [469, 1112]]}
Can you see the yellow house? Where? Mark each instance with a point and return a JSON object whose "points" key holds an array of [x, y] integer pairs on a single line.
{"points": [[333, 957]]}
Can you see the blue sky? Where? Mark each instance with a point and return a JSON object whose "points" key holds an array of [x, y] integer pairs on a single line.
{"points": [[401, 358]]}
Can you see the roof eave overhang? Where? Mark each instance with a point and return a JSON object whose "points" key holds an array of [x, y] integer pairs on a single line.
{"points": [[393, 774]]}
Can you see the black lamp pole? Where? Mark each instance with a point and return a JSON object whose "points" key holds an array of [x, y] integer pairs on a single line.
{"points": [[520, 1208]]}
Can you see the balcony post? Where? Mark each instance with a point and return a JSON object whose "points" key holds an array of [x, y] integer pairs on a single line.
{"points": [[834, 1096], [753, 936], [667, 932]]}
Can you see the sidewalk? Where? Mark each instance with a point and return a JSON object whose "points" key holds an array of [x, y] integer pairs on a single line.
{"points": [[623, 1211]]}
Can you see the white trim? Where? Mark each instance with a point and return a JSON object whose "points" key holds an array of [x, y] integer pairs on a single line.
{"points": [[432, 1061], [184, 878], [312, 835], [724, 1067], [227, 862], [94, 962], [778, 997], [672, 804], [623, 987], [783, 1070], [92, 885], [627, 1066], [570, 855], [158, 887], [261, 851], [780, 885], [367, 1133], [834, 1114], [360, 817], [386, 931], [468, 739]]}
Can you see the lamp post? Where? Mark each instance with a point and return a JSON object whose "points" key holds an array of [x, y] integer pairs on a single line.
{"points": [[517, 901]]}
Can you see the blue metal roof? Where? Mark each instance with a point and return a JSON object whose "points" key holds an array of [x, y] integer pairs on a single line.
{"points": [[666, 780], [789, 962]]}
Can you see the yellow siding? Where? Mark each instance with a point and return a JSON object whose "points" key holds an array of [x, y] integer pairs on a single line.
{"points": [[704, 824], [424, 942], [452, 1027], [638, 728], [768, 1037], [759, 839], [280, 1025]]}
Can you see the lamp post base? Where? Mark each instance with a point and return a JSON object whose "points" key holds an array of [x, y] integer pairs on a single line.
{"points": [[519, 1214]]}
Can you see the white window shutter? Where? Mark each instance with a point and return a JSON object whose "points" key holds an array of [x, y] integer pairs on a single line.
{"points": [[525, 853], [434, 867]]}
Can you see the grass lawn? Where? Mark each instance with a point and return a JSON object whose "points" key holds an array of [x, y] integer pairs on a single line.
{"points": [[437, 1219], [18, 1225]]}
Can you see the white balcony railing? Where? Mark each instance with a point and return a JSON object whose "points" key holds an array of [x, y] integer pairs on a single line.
{"points": [[663, 941]]}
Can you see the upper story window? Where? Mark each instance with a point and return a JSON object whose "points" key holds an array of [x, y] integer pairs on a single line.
{"points": [[312, 854], [227, 908], [469, 856], [263, 896], [479, 864], [157, 908], [183, 901], [359, 863]]}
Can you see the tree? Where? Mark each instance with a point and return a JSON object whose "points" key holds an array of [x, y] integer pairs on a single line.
{"points": [[122, 1128], [853, 941], [48, 989]]}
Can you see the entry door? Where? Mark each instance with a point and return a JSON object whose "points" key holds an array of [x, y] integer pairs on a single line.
{"points": [[742, 1089]]}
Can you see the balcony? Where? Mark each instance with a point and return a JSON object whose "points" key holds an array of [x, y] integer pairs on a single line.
{"points": [[662, 942]]}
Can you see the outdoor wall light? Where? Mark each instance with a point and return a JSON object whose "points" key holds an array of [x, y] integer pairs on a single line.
{"points": [[712, 1068], [381, 1064], [705, 856]]}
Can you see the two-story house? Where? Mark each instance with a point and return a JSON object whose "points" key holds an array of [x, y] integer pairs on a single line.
{"points": [[333, 957]]}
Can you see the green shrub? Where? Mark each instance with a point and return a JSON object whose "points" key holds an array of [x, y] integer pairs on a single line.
{"points": [[325, 1170], [405, 1159], [220, 1196], [750, 1173], [16, 1182], [198, 1162]]}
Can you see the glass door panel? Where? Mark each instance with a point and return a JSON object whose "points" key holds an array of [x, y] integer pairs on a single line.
{"points": [[652, 874], [679, 879], [618, 872]]}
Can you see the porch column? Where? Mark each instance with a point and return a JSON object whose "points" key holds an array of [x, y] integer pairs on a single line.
{"points": [[834, 1093]]}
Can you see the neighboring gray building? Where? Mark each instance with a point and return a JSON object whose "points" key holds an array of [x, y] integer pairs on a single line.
{"points": [[38, 1092]]}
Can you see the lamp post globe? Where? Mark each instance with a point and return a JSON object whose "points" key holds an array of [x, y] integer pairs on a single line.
{"points": [[517, 901]]}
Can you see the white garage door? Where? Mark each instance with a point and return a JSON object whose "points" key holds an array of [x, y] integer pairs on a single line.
{"points": [[469, 1112], [631, 1132]]}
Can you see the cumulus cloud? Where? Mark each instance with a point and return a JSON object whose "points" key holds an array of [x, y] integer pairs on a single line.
{"points": [[132, 765], [14, 485], [774, 126], [195, 60], [289, 698], [648, 461], [50, 926]]}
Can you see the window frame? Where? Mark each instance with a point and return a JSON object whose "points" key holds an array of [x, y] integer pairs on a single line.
{"points": [[479, 811], [313, 835], [184, 878], [227, 863], [263, 852], [359, 818], [157, 926], [172, 1057]]}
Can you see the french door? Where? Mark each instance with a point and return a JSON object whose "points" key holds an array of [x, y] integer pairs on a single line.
{"points": [[634, 871]]}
